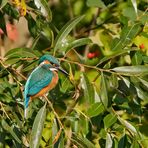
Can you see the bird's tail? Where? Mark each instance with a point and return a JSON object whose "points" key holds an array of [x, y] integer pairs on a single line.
{"points": [[26, 104]]}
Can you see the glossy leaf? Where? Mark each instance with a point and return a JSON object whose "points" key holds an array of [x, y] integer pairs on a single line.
{"points": [[134, 5], [78, 43], [109, 120], [37, 128], [95, 109], [103, 91], [132, 70], [65, 31], [109, 141], [44, 8], [88, 89]]}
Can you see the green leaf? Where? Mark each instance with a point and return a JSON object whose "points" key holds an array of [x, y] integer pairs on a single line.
{"points": [[114, 55], [128, 125], [132, 70], [127, 34], [137, 59], [134, 5], [10, 130], [44, 8], [65, 31], [37, 128], [109, 141], [88, 89], [109, 120], [78, 43], [3, 3], [122, 142], [95, 109], [20, 53], [81, 142], [103, 91], [95, 3]]}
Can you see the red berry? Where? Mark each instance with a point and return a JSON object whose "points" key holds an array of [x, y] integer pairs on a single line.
{"points": [[141, 46], [91, 55]]}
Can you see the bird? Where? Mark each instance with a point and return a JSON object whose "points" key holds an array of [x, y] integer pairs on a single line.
{"points": [[42, 79]]}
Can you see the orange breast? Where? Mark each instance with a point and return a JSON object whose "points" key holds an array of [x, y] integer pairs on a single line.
{"points": [[51, 85]]}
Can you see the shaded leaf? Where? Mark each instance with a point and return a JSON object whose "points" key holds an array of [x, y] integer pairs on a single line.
{"points": [[65, 31], [137, 58], [122, 142], [37, 128], [95, 109], [10, 130]]}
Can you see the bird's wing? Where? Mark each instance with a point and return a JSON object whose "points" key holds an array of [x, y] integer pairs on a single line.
{"points": [[38, 79]]}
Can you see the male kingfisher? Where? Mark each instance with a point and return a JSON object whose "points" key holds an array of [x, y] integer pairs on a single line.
{"points": [[42, 79]]}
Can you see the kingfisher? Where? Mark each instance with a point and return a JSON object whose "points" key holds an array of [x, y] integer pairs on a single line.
{"points": [[42, 79]]}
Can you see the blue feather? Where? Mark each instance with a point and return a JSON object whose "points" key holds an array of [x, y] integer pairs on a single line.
{"points": [[38, 79]]}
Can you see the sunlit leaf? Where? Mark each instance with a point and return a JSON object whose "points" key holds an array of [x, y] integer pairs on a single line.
{"points": [[37, 128], [132, 70], [95, 109], [3, 3], [134, 5], [127, 34], [44, 8], [78, 43], [65, 31], [109, 141], [109, 120], [94, 3]]}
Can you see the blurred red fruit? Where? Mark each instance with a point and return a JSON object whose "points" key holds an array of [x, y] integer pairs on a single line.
{"points": [[12, 32], [141, 46], [1, 31], [91, 55]]}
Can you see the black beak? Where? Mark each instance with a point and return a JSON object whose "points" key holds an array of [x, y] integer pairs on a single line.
{"points": [[63, 71]]}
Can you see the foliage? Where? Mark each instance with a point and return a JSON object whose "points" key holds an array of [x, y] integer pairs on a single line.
{"points": [[104, 101]]}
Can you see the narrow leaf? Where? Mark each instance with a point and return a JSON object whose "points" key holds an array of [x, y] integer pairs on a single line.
{"points": [[95, 109], [132, 70], [127, 34], [44, 8], [10, 130], [65, 31], [109, 141], [109, 120], [134, 5], [103, 91], [78, 43], [37, 128], [3, 3], [88, 89]]}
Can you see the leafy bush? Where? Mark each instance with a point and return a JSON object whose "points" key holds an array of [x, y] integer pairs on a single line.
{"points": [[103, 45]]}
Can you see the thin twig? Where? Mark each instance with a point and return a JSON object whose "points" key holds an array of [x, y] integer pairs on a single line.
{"points": [[57, 116]]}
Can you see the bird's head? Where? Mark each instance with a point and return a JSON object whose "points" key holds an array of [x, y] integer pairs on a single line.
{"points": [[52, 63]]}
